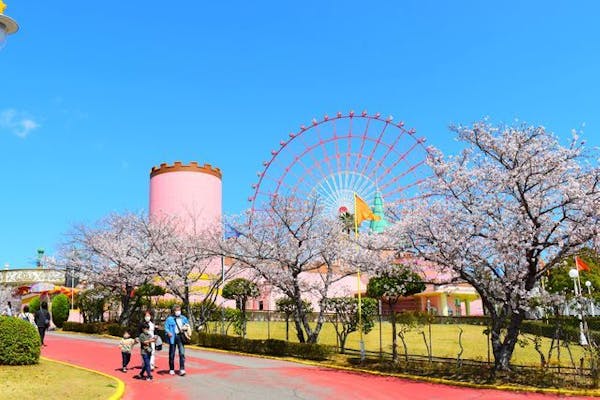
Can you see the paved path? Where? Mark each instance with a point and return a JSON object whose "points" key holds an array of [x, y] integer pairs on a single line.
{"points": [[216, 376]]}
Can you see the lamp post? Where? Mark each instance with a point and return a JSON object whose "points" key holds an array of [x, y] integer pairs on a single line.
{"points": [[588, 284], [8, 26], [574, 274]]}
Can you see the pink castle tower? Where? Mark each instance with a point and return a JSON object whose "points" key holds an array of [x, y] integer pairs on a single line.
{"points": [[191, 192]]}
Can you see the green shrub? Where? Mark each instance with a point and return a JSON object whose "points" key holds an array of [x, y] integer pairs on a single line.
{"points": [[272, 347], [94, 327], [309, 351], [118, 330], [19, 342], [275, 347], [60, 310], [34, 305]]}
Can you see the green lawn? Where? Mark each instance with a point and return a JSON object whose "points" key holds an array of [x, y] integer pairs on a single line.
{"points": [[49, 380], [444, 338]]}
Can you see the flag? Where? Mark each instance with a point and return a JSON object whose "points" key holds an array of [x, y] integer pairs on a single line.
{"points": [[362, 211], [581, 265]]}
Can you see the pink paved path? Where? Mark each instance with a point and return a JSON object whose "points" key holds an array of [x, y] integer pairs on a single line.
{"points": [[213, 375]]}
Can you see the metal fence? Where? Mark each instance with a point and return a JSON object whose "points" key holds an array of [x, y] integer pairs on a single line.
{"points": [[578, 373]]}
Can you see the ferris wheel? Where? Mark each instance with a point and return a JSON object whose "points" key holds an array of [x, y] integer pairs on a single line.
{"points": [[333, 158]]}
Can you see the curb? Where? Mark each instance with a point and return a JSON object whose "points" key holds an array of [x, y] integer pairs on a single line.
{"points": [[120, 390], [447, 382]]}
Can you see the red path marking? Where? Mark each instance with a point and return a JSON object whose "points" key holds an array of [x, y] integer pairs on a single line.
{"points": [[106, 358], [327, 383]]}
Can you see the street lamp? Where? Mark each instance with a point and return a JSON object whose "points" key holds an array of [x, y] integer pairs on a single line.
{"points": [[588, 284], [8, 26], [574, 274]]}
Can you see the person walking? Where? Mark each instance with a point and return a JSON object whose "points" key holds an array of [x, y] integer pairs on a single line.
{"points": [[126, 345], [145, 340], [151, 328], [42, 320], [7, 311], [176, 327], [27, 316]]}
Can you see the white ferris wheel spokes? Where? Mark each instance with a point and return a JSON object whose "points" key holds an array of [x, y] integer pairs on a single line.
{"points": [[336, 157]]}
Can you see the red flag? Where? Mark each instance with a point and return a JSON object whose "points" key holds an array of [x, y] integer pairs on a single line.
{"points": [[581, 265]]}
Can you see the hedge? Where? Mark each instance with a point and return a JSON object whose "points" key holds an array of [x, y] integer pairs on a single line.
{"points": [[60, 310], [112, 329], [93, 327], [34, 305], [569, 332], [19, 342], [273, 347]]}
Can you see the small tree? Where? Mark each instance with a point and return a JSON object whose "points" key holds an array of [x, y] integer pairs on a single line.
{"points": [[240, 290], [390, 286], [407, 322], [345, 316], [287, 306], [34, 304], [60, 309], [91, 304]]}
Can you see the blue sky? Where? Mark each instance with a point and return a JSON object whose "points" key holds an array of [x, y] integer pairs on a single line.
{"points": [[96, 93]]}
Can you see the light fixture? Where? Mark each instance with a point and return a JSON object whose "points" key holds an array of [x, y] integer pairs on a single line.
{"points": [[573, 273], [8, 26]]}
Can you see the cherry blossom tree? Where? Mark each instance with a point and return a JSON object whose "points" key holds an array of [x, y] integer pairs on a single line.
{"points": [[114, 254], [390, 285], [292, 246], [345, 319], [184, 260], [507, 209]]}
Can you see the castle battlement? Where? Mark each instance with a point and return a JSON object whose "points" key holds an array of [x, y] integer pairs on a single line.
{"points": [[193, 166]]}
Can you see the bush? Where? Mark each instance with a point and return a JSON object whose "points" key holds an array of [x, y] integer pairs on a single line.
{"points": [[568, 332], [60, 310], [93, 327], [20, 342], [272, 347], [118, 330], [34, 305]]}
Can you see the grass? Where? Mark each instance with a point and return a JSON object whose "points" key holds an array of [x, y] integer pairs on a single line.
{"points": [[444, 338], [49, 380]]}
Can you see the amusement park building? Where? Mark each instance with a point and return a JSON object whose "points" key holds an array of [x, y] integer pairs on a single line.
{"points": [[193, 193]]}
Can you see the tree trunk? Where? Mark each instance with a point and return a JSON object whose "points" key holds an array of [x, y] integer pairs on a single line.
{"points": [[186, 303], [243, 309], [503, 349], [287, 327], [298, 324], [394, 335], [342, 337]]}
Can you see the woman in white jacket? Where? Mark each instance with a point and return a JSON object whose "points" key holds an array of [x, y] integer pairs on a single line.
{"points": [[151, 327]]}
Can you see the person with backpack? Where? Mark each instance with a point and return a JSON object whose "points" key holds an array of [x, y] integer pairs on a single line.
{"points": [[42, 320], [27, 316], [178, 330]]}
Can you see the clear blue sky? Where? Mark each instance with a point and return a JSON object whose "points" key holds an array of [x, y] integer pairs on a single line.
{"points": [[95, 93]]}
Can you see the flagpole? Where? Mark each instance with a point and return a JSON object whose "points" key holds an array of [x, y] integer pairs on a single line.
{"points": [[360, 328]]}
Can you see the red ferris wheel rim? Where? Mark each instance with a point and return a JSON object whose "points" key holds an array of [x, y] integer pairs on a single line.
{"points": [[315, 125]]}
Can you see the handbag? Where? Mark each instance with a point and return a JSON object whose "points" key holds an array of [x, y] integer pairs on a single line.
{"points": [[158, 344], [184, 333]]}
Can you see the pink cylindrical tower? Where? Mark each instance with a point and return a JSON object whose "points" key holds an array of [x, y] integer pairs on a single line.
{"points": [[190, 192]]}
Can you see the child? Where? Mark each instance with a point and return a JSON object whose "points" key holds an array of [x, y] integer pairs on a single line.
{"points": [[146, 340], [126, 345]]}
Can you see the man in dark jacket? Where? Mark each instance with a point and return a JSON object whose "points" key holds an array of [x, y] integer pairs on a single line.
{"points": [[42, 320]]}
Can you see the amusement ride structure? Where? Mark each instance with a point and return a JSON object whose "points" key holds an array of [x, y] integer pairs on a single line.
{"points": [[338, 156]]}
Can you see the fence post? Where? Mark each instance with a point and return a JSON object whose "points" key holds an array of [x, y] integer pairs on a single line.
{"points": [[380, 335], [269, 324]]}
